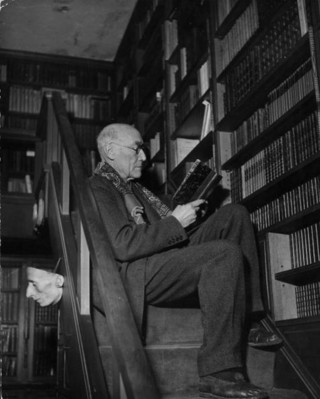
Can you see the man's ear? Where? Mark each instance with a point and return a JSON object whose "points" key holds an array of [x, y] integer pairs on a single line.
{"points": [[109, 151], [59, 280]]}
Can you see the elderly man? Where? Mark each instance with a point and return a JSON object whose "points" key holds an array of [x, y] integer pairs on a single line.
{"points": [[161, 264]]}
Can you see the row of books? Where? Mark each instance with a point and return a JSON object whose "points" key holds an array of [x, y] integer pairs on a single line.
{"points": [[20, 184], [20, 160], [182, 147], [3, 72], [86, 134], [25, 99], [156, 108], [9, 339], [308, 300], [290, 91], [170, 37], [88, 107], [188, 99], [203, 76], [287, 205], [155, 145], [28, 100], [241, 31], [272, 48], [144, 22], [305, 246], [58, 75], [223, 9], [127, 89], [47, 314], [258, 122], [10, 278], [10, 306], [192, 93], [9, 366], [44, 364], [21, 122], [283, 154], [280, 100], [286, 31], [45, 338]]}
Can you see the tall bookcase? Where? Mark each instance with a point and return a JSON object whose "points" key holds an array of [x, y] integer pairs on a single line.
{"points": [[253, 67], [29, 338], [29, 333], [85, 85], [188, 87], [140, 80], [164, 85], [267, 97]]}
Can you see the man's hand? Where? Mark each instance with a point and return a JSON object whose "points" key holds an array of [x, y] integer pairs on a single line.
{"points": [[187, 214]]}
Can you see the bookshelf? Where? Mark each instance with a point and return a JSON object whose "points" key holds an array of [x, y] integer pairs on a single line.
{"points": [[29, 339], [164, 88], [253, 67], [188, 86], [85, 85], [140, 82], [268, 142]]}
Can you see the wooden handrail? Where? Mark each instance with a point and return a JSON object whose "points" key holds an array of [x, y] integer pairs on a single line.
{"points": [[130, 354], [77, 345]]}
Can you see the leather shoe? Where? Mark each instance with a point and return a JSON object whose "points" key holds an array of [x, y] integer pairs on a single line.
{"points": [[216, 388], [259, 337]]}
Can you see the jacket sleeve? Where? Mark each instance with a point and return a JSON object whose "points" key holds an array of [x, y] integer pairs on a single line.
{"points": [[131, 241]]}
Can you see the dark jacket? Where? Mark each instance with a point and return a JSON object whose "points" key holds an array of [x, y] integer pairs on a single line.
{"points": [[134, 244]]}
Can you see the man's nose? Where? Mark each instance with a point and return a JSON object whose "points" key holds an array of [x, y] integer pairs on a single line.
{"points": [[142, 155], [29, 292]]}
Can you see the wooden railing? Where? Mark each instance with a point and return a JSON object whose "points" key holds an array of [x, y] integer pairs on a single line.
{"points": [[69, 198]]}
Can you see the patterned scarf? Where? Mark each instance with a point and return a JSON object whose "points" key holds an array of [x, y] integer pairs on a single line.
{"points": [[133, 205]]}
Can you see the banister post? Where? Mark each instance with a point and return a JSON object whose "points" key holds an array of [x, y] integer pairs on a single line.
{"points": [[83, 275], [65, 183]]}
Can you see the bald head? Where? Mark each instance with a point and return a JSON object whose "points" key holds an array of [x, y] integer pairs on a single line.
{"points": [[113, 133], [120, 145], [44, 286]]}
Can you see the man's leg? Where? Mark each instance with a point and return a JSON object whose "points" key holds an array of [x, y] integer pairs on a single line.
{"points": [[232, 222], [215, 271]]}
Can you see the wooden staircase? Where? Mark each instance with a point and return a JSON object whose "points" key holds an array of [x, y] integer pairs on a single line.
{"points": [[173, 336], [101, 348]]}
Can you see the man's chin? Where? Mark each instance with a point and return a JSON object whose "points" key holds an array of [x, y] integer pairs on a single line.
{"points": [[47, 303]]}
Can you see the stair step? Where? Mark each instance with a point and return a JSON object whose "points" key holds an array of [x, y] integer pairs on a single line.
{"points": [[274, 393], [277, 393], [173, 325], [174, 366], [260, 366]]}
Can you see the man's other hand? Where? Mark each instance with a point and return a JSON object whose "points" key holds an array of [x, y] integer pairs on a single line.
{"points": [[187, 214]]}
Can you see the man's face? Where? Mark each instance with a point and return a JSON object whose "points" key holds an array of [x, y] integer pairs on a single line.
{"points": [[127, 161], [44, 287]]}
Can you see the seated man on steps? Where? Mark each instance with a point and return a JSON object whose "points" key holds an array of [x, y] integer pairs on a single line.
{"points": [[162, 264]]}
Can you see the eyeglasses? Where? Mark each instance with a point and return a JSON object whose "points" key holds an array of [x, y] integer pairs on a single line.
{"points": [[137, 150]]}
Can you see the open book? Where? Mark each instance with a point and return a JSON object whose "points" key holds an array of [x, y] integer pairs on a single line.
{"points": [[198, 183]]}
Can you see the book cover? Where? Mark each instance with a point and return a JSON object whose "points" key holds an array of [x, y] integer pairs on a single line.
{"points": [[199, 182]]}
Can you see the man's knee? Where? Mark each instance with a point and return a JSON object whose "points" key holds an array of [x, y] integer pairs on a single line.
{"points": [[236, 210], [233, 252]]}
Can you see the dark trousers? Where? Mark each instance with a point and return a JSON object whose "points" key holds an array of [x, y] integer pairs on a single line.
{"points": [[213, 266]]}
